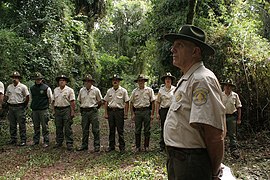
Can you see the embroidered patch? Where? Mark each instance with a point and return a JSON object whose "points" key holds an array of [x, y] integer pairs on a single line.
{"points": [[41, 92], [200, 96], [178, 96]]}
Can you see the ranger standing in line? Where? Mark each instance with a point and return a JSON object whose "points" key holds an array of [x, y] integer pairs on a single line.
{"points": [[18, 98], [41, 96], [90, 99], [64, 108], [142, 107], [116, 110]]}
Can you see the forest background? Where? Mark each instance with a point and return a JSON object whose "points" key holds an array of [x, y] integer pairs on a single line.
{"points": [[104, 37]]}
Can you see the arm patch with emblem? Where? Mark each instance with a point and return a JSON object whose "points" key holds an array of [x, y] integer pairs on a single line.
{"points": [[200, 96]]}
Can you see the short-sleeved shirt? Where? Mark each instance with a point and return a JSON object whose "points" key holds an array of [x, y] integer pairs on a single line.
{"points": [[116, 98], [17, 94], [2, 88], [63, 97], [89, 98], [164, 96], [231, 102], [142, 97], [197, 99]]}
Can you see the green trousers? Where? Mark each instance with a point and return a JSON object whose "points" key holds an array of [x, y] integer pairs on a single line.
{"points": [[116, 121], [142, 118], [231, 131], [63, 123], [162, 114], [17, 115], [40, 118], [188, 164], [90, 117]]}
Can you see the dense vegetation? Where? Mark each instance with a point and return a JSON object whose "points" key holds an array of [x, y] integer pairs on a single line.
{"points": [[126, 37]]}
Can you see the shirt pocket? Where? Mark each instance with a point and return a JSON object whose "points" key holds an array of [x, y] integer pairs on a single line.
{"points": [[176, 106]]}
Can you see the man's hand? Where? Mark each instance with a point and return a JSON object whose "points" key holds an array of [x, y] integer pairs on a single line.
{"points": [[106, 116]]}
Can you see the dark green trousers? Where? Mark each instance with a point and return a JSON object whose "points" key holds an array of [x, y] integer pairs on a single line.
{"points": [[162, 114], [17, 115], [40, 118], [63, 123], [188, 164], [142, 118], [231, 131], [116, 121], [90, 117]]}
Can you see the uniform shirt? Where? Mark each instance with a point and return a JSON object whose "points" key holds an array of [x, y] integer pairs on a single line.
{"points": [[2, 88], [62, 97], [17, 94], [164, 96], [197, 99], [116, 98], [142, 97], [231, 102], [89, 98]]}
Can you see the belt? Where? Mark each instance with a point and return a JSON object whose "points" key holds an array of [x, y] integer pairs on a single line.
{"points": [[115, 109], [88, 109], [16, 105], [187, 150], [230, 115], [164, 108], [142, 109], [61, 108]]}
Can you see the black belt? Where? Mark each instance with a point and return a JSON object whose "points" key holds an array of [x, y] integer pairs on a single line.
{"points": [[142, 109], [115, 109], [164, 108], [16, 105], [230, 115], [88, 109], [61, 108], [187, 150]]}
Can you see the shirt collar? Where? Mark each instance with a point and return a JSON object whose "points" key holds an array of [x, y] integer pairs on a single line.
{"points": [[191, 70]]}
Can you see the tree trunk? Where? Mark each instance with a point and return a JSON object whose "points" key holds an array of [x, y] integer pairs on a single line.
{"points": [[191, 12]]}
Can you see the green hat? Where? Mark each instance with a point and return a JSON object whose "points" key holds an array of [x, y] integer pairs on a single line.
{"points": [[62, 76], [15, 74], [141, 77], [168, 74], [38, 75], [228, 82], [116, 76], [193, 34], [88, 77]]}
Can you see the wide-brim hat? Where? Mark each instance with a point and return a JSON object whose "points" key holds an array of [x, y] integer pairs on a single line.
{"points": [[116, 76], [168, 74], [62, 76], [228, 82], [193, 34], [88, 77], [15, 74], [141, 77], [37, 76]]}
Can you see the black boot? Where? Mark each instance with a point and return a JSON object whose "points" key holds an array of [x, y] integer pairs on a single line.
{"points": [[146, 143], [138, 142]]}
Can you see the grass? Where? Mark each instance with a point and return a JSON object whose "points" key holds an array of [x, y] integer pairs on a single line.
{"points": [[38, 163]]}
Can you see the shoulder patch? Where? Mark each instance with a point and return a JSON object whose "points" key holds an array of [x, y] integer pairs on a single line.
{"points": [[200, 96]]}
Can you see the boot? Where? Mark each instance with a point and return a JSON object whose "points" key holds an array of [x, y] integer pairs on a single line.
{"points": [[146, 143]]}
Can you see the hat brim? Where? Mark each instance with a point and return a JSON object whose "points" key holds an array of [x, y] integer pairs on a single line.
{"points": [[58, 78], [20, 77], [136, 80], [224, 83], [89, 80], [120, 79], [172, 77], [207, 50]]}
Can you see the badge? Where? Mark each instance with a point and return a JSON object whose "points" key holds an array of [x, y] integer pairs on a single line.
{"points": [[200, 96], [178, 96], [41, 91]]}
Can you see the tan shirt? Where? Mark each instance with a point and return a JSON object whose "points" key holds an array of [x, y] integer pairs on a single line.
{"points": [[142, 97], [164, 96], [2, 88], [196, 100], [116, 98], [62, 97], [89, 98], [231, 102], [17, 94]]}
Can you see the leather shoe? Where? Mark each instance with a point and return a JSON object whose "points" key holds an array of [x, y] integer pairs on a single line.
{"points": [[45, 145], [69, 147], [97, 149], [110, 149], [82, 149], [12, 142]]}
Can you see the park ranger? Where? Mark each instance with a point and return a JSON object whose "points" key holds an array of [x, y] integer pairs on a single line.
{"points": [[41, 98], [90, 99], [116, 110], [17, 98], [142, 108], [64, 108]]}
